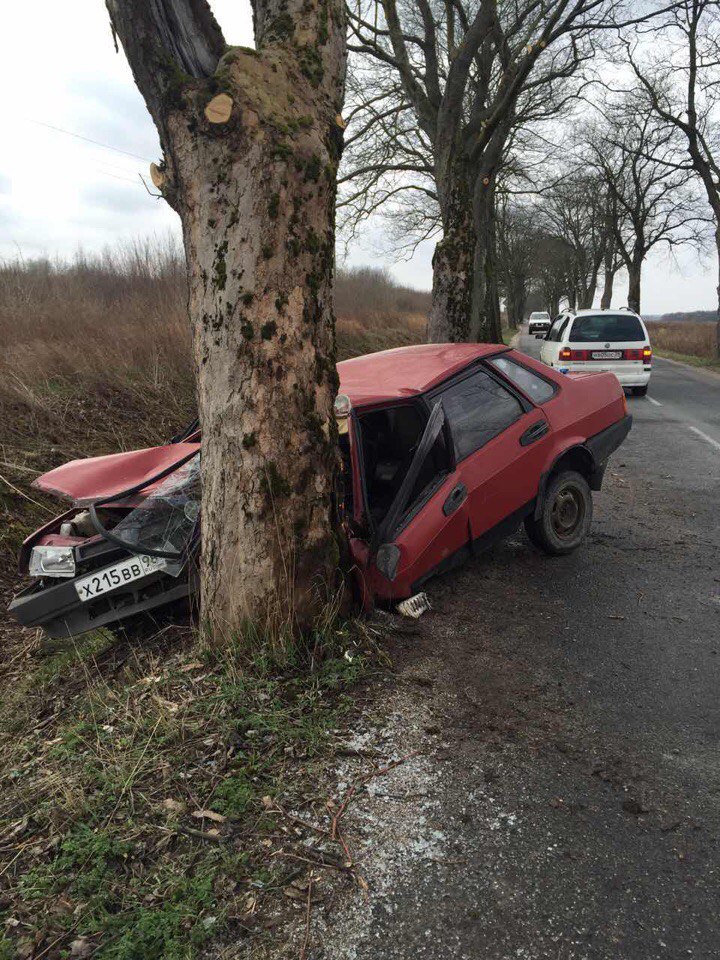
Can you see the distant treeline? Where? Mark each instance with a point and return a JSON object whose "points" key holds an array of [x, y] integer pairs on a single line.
{"points": [[694, 316]]}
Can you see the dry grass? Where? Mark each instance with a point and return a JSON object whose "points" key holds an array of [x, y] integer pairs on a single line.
{"points": [[119, 319], [685, 338], [96, 358]]}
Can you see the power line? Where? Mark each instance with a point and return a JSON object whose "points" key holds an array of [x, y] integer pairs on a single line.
{"points": [[97, 143]]}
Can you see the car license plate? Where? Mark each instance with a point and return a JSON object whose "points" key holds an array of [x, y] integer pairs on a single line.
{"points": [[135, 568], [606, 354]]}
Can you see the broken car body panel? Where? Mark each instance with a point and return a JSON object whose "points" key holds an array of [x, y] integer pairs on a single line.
{"points": [[445, 448], [97, 478]]}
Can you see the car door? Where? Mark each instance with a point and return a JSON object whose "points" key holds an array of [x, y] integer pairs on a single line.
{"points": [[426, 527], [501, 445]]}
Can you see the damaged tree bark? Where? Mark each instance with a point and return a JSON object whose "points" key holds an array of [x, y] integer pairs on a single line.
{"points": [[251, 142]]}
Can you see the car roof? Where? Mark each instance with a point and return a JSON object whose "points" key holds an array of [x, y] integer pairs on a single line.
{"points": [[407, 371], [610, 313]]}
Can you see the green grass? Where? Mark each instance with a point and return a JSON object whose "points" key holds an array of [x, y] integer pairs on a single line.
{"points": [[108, 848], [706, 363]]}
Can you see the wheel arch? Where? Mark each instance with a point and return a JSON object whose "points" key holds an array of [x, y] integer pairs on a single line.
{"points": [[577, 457]]}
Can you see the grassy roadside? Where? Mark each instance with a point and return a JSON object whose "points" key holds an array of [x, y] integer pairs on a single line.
{"points": [[157, 798], [704, 363], [143, 790]]}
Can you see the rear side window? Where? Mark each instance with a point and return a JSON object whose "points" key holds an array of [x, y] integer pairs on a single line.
{"points": [[556, 330], [615, 328], [530, 383], [478, 409]]}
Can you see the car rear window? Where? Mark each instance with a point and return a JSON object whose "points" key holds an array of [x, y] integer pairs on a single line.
{"points": [[478, 408], [614, 328], [530, 383]]}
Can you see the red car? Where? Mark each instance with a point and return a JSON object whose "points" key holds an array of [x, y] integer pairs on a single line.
{"points": [[446, 448]]}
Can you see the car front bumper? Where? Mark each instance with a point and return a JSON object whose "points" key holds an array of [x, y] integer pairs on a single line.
{"points": [[60, 612]]}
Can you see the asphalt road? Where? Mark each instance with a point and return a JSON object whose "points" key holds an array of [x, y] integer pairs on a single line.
{"points": [[576, 709]]}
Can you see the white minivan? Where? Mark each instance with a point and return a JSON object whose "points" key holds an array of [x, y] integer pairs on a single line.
{"points": [[612, 340]]}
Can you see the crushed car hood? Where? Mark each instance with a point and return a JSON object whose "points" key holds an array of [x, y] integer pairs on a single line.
{"points": [[96, 478]]}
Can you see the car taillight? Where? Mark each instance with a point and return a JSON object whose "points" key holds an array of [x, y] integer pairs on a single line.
{"points": [[566, 353], [647, 354]]}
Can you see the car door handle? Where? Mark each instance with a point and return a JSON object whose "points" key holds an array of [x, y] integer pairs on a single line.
{"points": [[535, 432], [456, 497]]}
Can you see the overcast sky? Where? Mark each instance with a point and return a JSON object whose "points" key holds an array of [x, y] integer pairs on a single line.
{"points": [[58, 68]]}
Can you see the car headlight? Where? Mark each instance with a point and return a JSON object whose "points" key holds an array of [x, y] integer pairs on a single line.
{"points": [[52, 562]]}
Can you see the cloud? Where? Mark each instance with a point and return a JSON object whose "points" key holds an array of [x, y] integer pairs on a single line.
{"points": [[120, 199]]}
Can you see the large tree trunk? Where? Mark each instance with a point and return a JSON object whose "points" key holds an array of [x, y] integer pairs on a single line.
{"points": [[485, 325], [251, 153], [453, 263]]}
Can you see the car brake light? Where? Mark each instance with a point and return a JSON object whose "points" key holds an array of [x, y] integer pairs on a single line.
{"points": [[566, 353], [633, 354], [647, 354]]}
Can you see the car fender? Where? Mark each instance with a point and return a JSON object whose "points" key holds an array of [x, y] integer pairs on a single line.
{"points": [[597, 448], [577, 444]]}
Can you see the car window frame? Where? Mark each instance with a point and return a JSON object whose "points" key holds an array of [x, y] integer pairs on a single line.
{"points": [[614, 313], [565, 327], [559, 320], [526, 405], [518, 363], [413, 506]]}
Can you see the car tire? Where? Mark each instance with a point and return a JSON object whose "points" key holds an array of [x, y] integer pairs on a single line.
{"points": [[565, 517], [640, 391]]}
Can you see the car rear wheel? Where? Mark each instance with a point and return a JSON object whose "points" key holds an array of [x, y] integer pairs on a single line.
{"points": [[565, 516], [640, 391]]}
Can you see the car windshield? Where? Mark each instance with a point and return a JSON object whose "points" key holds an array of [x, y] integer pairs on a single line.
{"points": [[611, 328], [167, 518]]}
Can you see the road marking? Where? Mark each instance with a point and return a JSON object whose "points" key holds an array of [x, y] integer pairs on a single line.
{"points": [[704, 436], [656, 402]]}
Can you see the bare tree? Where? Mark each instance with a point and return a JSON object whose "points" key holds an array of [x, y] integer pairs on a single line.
{"points": [[451, 80], [552, 279], [681, 77], [652, 203], [517, 239], [612, 261], [574, 211], [251, 141]]}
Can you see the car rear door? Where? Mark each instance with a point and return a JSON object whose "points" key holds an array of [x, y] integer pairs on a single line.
{"points": [[501, 445]]}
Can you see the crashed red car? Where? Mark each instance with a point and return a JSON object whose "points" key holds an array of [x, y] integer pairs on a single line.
{"points": [[445, 447]]}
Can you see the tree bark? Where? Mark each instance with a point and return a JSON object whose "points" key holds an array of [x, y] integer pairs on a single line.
{"points": [[516, 300], [609, 272], [453, 264], [634, 281], [485, 324], [255, 195]]}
